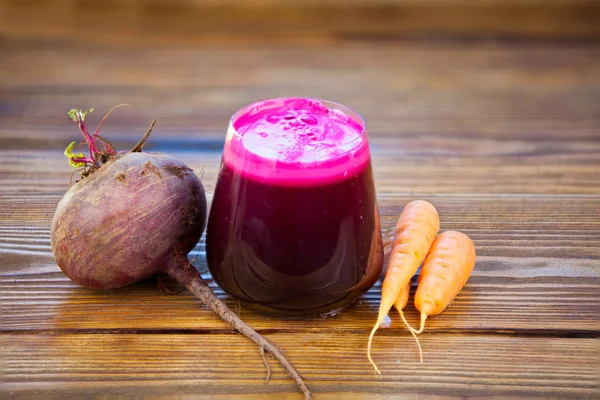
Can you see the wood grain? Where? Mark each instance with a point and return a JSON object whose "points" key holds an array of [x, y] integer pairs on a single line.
{"points": [[226, 363], [503, 137], [132, 22]]}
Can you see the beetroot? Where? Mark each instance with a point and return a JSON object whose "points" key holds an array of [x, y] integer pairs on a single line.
{"points": [[133, 215]]}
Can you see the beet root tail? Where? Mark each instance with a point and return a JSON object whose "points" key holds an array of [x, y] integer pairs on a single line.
{"points": [[185, 273]]}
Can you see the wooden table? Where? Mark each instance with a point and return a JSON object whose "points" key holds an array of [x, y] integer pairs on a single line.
{"points": [[502, 136]]}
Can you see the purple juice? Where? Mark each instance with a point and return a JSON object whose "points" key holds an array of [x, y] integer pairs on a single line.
{"points": [[293, 228]]}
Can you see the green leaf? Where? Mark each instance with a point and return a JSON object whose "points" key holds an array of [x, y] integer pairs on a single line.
{"points": [[73, 114], [71, 156], [78, 115]]}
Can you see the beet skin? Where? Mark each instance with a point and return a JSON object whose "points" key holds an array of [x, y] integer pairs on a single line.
{"points": [[125, 221]]}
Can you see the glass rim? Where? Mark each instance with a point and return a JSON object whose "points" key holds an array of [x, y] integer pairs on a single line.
{"points": [[328, 103]]}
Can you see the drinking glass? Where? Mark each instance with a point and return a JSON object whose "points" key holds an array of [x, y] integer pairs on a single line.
{"points": [[295, 231]]}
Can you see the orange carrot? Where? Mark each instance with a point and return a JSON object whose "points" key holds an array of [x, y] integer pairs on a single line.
{"points": [[445, 271], [416, 228]]}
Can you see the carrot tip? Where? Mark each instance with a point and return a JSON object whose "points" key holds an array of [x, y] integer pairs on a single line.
{"points": [[423, 318], [369, 348]]}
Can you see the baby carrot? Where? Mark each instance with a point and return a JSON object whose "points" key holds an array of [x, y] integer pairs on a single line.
{"points": [[445, 271], [416, 228]]}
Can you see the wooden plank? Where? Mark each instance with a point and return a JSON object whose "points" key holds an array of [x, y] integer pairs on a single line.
{"points": [[465, 65], [83, 364], [50, 302], [409, 176], [185, 22], [560, 227], [484, 92], [538, 272]]}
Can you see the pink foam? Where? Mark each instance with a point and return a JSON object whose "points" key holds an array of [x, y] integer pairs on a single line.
{"points": [[296, 141]]}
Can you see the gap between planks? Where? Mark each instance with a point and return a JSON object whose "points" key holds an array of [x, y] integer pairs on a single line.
{"points": [[517, 332]]}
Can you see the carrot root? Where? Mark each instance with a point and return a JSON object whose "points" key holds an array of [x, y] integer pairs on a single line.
{"points": [[384, 308], [369, 346], [412, 332]]}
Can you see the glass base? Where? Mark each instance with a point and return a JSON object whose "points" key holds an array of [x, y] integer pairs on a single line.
{"points": [[328, 311]]}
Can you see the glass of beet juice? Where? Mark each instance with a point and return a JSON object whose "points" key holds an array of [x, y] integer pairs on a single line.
{"points": [[293, 228]]}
